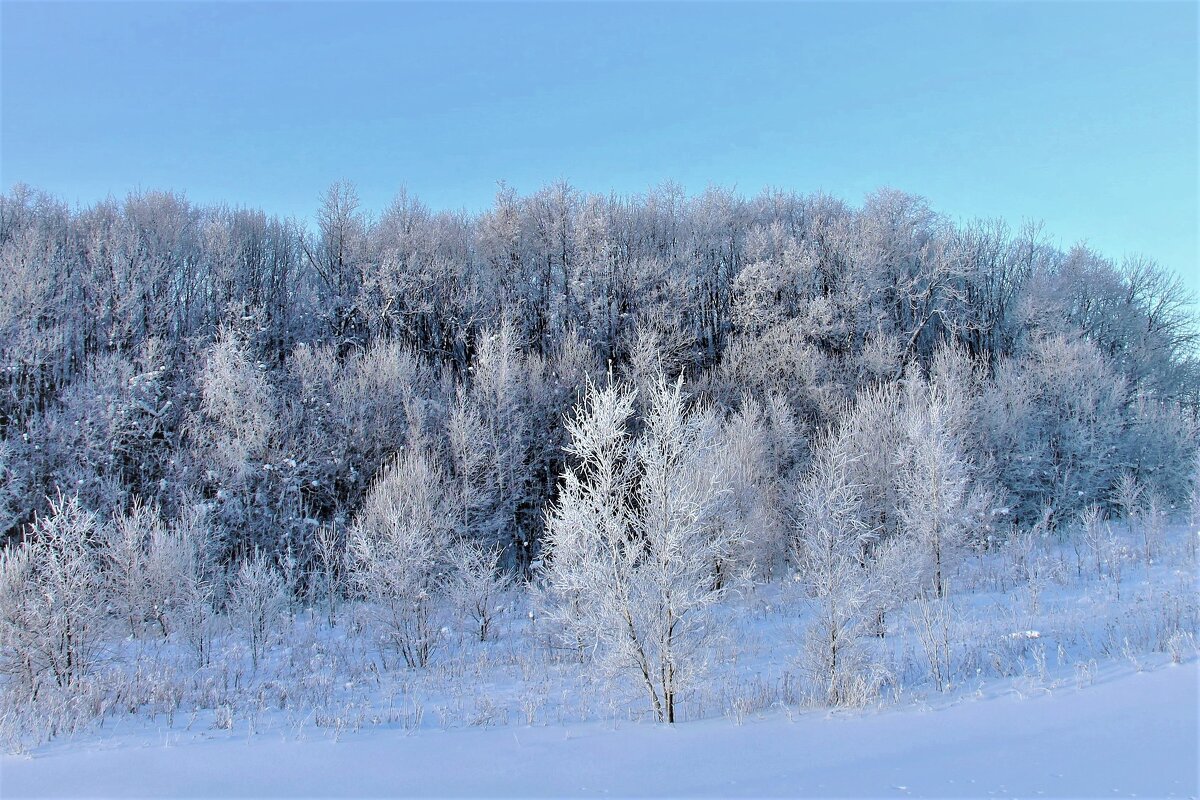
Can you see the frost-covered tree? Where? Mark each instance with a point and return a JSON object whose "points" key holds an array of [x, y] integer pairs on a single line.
{"points": [[467, 436], [397, 547], [1159, 442], [500, 392], [257, 602], [112, 434], [1153, 523], [1096, 535], [935, 489], [475, 585], [337, 255], [125, 554], [875, 433], [10, 487], [755, 466], [184, 577], [328, 578], [230, 433], [631, 540], [1127, 497], [832, 533], [52, 600], [1194, 495], [237, 401], [1053, 425]]}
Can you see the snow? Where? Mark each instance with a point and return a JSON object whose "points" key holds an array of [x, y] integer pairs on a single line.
{"points": [[1128, 734], [1063, 680]]}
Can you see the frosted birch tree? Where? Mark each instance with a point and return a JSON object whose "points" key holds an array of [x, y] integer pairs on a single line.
{"points": [[632, 549]]}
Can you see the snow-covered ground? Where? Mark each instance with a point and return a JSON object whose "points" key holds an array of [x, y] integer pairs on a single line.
{"points": [[1129, 734], [1061, 677]]}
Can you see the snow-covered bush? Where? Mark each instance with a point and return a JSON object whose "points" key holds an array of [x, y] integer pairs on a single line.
{"points": [[125, 563]]}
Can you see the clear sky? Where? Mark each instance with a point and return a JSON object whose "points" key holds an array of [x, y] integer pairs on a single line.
{"points": [[1078, 114]]}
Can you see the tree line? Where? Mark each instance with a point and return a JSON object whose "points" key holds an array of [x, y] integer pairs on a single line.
{"points": [[160, 351], [657, 395]]}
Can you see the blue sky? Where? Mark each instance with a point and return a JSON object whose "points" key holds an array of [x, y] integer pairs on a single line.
{"points": [[1080, 115]]}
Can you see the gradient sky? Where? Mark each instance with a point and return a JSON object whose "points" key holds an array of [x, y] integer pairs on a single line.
{"points": [[1081, 115]]}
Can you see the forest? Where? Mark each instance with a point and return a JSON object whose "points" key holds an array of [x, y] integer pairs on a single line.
{"points": [[250, 461]]}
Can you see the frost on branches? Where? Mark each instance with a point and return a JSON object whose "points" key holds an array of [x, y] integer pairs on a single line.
{"points": [[633, 541]]}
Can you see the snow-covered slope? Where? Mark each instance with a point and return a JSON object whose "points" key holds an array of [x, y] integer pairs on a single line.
{"points": [[1128, 734]]}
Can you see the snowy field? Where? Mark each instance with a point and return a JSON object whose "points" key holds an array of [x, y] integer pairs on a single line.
{"points": [[1038, 675], [1130, 734]]}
